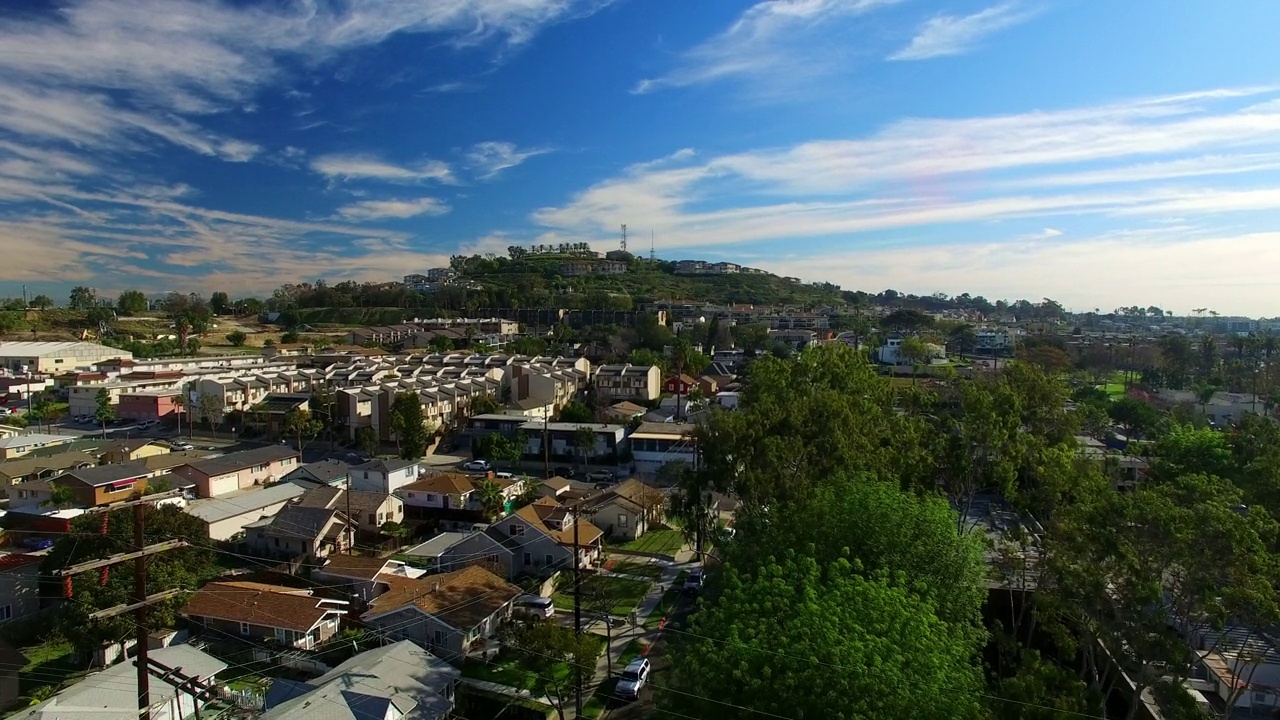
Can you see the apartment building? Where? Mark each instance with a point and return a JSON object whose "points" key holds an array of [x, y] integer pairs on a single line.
{"points": [[628, 382]]}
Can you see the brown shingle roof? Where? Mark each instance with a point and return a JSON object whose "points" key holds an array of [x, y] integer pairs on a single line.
{"points": [[462, 598], [443, 483], [537, 511], [258, 604], [354, 566]]}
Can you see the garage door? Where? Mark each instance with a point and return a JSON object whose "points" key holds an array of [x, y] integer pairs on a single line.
{"points": [[223, 485]]}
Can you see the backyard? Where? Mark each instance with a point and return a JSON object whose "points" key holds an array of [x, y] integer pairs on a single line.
{"points": [[658, 541], [624, 593], [52, 663]]}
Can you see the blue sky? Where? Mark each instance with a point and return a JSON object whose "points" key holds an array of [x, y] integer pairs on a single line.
{"points": [[1101, 154]]}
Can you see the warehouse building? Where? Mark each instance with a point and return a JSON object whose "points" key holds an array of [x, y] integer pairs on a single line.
{"points": [[54, 358]]}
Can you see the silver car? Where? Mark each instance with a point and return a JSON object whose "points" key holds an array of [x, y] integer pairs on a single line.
{"points": [[633, 678]]}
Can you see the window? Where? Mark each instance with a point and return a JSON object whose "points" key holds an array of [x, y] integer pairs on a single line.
{"points": [[528, 558], [373, 519], [622, 520], [121, 488], [260, 468], [276, 541], [6, 612], [517, 529], [548, 558], [244, 628], [439, 638], [431, 497], [1259, 697]]}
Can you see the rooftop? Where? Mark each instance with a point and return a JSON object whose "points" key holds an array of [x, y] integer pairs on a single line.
{"points": [[447, 483], [240, 502], [437, 545], [234, 462], [462, 598], [21, 441], [33, 348], [112, 694], [108, 474], [260, 604]]}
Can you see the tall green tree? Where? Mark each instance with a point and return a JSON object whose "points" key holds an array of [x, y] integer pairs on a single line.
{"points": [[42, 302], [584, 439], [799, 638], [409, 425], [1135, 417], [237, 338], [82, 298], [104, 412], [367, 440], [131, 302], [492, 503], [547, 648], [301, 426], [185, 568], [220, 303]]}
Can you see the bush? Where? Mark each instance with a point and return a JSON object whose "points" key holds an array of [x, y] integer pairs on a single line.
{"points": [[237, 338]]}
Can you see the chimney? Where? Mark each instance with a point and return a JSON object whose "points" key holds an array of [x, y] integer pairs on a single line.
{"points": [[435, 586]]}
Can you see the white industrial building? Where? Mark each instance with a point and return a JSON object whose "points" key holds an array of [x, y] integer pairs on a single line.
{"points": [[51, 358]]}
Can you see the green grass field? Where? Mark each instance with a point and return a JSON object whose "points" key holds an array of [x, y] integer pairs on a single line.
{"points": [[659, 541], [507, 670], [625, 593], [640, 569]]}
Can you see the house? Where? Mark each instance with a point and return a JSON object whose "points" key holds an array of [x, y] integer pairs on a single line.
{"points": [[681, 384], [554, 487], [369, 510], [269, 413], [322, 473], [19, 586], [628, 382], [122, 451], [625, 411], [446, 613], [450, 551], [310, 532], [654, 444], [112, 694], [11, 663], [610, 440], [400, 680], [385, 475], [627, 510], [39, 468], [105, 484], [240, 470], [20, 445], [540, 537], [149, 404], [227, 516], [365, 577], [891, 352], [443, 491], [293, 617]]}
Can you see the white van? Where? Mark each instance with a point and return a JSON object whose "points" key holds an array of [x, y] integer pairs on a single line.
{"points": [[534, 606]]}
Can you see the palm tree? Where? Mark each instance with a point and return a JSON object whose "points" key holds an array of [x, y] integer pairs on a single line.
{"points": [[1204, 394], [491, 500]]}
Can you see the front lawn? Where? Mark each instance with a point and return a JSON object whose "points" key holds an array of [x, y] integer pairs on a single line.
{"points": [[595, 705], [506, 669], [639, 569], [658, 541], [625, 593]]}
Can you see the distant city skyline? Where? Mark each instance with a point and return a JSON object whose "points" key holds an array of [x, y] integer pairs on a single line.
{"points": [[1100, 154]]}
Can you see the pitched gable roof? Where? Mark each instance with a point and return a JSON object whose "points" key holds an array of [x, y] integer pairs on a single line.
{"points": [[308, 523], [444, 483], [462, 598], [544, 509], [261, 604]]}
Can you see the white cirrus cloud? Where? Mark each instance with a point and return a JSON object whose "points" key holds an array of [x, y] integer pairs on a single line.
{"points": [[955, 35], [773, 40], [393, 209], [488, 159], [1206, 159], [368, 167]]}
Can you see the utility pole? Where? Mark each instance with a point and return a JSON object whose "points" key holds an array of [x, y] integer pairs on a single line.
{"points": [[546, 447], [140, 601], [577, 610]]}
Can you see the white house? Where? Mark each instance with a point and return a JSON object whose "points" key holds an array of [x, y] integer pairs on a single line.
{"points": [[384, 476], [891, 352], [227, 515]]}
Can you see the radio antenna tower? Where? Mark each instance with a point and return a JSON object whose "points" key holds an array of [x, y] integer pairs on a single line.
{"points": [[651, 256], [624, 237]]}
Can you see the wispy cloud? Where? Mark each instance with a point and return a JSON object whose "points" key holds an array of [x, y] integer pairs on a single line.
{"points": [[1141, 161], [784, 40], [957, 34], [367, 167], [488, 159], [399, 209]]}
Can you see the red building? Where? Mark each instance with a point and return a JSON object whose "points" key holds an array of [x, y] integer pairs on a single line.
{"points": [[679, 384], [149, 405]]}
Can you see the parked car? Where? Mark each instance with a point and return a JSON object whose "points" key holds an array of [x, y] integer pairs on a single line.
{"points": [[602, 476], [37, 543], [477, 466], [148, 424], [504, 475], [603, 485], [180, 446], [564, 472], [4, 411], [534, 606], [633, 678], [693, 583]]}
